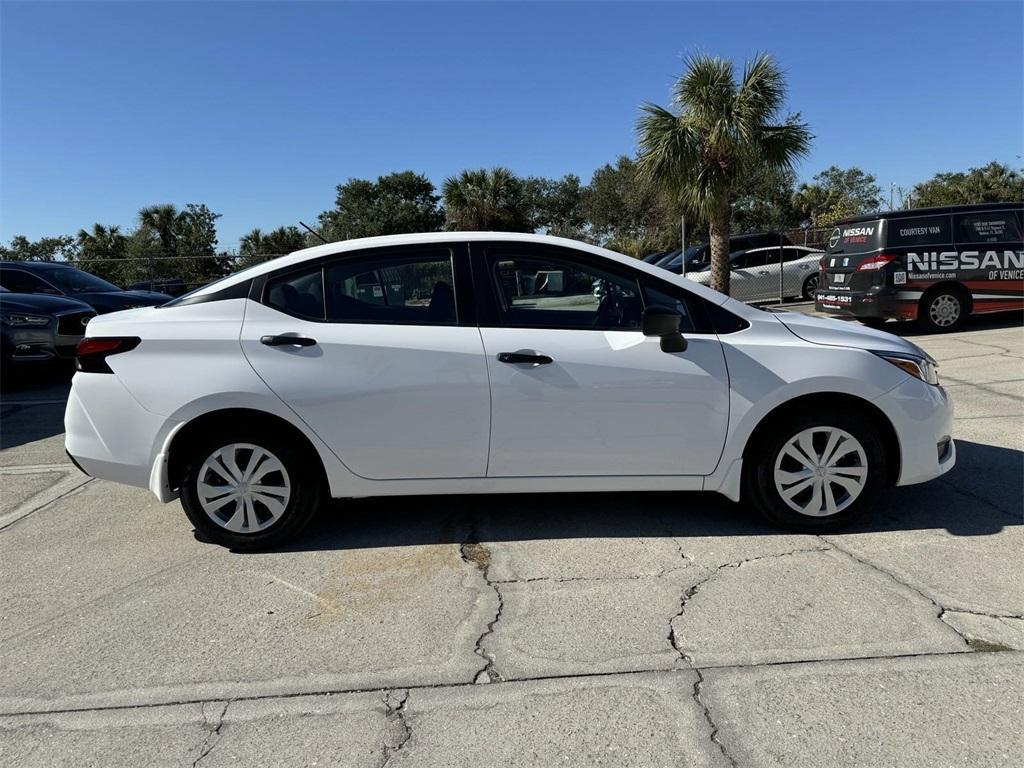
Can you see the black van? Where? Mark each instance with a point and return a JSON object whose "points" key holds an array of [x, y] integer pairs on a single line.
{"points": [[933, 265]]}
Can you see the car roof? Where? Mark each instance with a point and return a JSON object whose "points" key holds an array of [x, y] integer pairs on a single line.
{"points": [[39, 263], [344, 246], [937, 210]]}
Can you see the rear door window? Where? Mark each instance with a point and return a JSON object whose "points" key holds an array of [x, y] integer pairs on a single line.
{"points": [[927, 230], [415, 287], [991, 227]]}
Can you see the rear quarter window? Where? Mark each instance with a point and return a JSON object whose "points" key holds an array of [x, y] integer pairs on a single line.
{"points": [[993, 227], [927, 230]]}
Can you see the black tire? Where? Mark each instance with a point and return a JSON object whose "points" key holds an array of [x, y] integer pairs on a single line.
{"points": [[303, 476], [943, 309], [761, 491], [809, 287]]}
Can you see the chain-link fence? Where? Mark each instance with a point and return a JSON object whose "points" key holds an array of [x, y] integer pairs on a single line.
{"points": [[766, 267]]}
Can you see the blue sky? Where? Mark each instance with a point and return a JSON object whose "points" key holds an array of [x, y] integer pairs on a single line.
{"points": [[259, 110]]}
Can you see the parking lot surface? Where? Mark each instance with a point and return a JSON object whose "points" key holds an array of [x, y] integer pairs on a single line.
{"points": [[607, 629]]}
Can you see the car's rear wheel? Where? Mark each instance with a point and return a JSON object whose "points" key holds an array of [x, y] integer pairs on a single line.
{"points": [[809, 287], [943, 309], [250, 490], [817, 473]]}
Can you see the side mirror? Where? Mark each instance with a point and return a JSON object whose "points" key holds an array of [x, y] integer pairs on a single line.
{"points": [[664, 323]]}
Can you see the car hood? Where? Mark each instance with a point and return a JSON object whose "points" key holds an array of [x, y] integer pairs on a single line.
{"points": [[844, 333], [37, 302]]}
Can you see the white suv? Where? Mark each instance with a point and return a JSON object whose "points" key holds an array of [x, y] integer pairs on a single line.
{"points": [[487, 363]]}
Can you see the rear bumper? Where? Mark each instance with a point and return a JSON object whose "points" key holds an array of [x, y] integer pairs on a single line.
{"points": [[98, 409], [922, 416], [884, 305]]}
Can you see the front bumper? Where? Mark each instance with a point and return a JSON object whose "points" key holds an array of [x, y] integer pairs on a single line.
{"points": [[922, 416]]}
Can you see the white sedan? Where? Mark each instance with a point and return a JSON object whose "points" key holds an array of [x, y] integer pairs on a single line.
{"points": [[754, 274], [485, 363]]}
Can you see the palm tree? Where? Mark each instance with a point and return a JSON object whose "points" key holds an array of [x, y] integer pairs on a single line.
{"points": [[162, 221], [486, 200], [720, 132]]}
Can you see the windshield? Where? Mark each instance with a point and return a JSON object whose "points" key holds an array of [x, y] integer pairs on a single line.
{"points": [[77, 281]]}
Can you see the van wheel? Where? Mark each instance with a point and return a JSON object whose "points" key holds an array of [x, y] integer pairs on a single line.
{"points": [[816, 474], [810, 286], [249, 490], [942, 310]]}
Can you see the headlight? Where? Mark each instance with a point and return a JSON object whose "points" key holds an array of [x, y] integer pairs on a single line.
{"points": [[25, 321], [923, 368]]}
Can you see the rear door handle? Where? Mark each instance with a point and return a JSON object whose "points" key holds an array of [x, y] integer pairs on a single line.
{"points": [[522, 357], [287, 341]]}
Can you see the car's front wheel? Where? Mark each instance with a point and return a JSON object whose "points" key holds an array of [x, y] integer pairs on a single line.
{"points": [[817, 473], [249, 491]]}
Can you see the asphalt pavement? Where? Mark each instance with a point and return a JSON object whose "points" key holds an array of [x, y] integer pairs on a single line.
{"points": [[647, 629]]}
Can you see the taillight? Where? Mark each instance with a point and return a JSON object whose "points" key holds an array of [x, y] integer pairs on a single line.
{"points": [[821, 264], [92, 352], [875, 262]]}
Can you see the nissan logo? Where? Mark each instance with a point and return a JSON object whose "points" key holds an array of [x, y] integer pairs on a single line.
{"points": [[85, 320], [833, 239]]}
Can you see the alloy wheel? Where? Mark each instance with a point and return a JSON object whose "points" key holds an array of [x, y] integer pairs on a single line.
{"points": [[821, 471], [243, 488], [944, 310]]}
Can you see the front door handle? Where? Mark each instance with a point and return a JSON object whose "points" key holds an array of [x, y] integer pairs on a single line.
{"points": [[287, 341], [522, 357]]}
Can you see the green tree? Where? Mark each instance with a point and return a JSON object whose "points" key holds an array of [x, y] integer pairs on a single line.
{"points": [[60, 248], [625, 211], [257, 246], [173, 243], [836, 193], [991, 183], [492, 200], [557, 206], [764, 200], [721, 132], [394, 204], [102, 251]]}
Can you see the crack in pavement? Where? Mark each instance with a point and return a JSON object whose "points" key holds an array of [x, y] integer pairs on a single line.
{"points": [[479, 556], [674, 640], [395, 725], [65, 487], [213, 736], [975, 497], [940, 609]]}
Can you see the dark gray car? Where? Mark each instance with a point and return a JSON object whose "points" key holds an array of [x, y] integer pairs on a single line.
{"points": [[52, 279], [37, 328]]}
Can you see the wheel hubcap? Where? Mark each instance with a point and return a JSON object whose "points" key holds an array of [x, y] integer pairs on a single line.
{"points": [[944, 310], [243, 488], [812, 285], [821, 471]]}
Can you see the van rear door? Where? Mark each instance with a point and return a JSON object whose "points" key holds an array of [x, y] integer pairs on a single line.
{"points": [[848, 246]]}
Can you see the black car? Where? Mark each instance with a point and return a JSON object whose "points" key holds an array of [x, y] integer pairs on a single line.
{"points": [[699, 256], [53, 279], [38, 328]]}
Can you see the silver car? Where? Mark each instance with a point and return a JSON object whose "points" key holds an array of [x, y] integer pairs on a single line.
{"points": [[754, 274]]}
